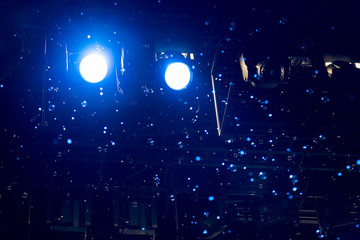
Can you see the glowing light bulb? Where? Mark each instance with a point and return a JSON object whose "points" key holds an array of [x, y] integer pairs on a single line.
{"points": [[93, 68], [178, 76]]}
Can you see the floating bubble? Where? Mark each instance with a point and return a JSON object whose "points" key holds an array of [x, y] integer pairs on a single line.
{"points": [[248, 139], [322, 137], [233, 168], [320, 233], [358, 162], [51, 107], [197, 158], [211, 198], [339, 174], [69, 141], [294, 189], [151, 142], [180, 144], [348, 167], [172, 197], [134, 204], [262, 175], [309, 91], [24, 195], [325, 99], [205, 231], [84, 103]]}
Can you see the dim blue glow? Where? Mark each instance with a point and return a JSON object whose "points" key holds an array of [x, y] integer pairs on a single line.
{"points": [[69, 141], [211, 198], [358, 162], [93, 68], [178, 76], [339, 174], [197, 158]]}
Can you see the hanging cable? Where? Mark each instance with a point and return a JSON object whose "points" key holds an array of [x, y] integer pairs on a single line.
{"points": [[43, 120], [214, 94], [219, 126]]}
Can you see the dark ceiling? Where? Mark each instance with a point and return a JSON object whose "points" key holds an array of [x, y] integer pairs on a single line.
{"points": [[140, 160]]}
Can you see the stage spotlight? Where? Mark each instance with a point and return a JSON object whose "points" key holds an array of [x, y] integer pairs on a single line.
{"points": [[93, 68], [264, 74], [178, 76]]}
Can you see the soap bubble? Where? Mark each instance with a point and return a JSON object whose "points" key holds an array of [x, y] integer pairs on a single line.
{"points": [[151, 142], [51, 107], [233, 168], [172, 197], [24, 195]]}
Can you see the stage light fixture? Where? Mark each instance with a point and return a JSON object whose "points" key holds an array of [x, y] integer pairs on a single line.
{"points": [[264, 74], [93, 68], [178, 76]]}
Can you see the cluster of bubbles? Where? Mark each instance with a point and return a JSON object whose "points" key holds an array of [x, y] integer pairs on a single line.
{"points": [[233, 168]]}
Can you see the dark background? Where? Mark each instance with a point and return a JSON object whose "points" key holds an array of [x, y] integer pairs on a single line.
{"points": [[147, 161]]}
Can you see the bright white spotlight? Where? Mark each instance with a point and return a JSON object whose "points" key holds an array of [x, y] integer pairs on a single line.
{"points": [[93, 68], [178, 76]]}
